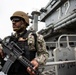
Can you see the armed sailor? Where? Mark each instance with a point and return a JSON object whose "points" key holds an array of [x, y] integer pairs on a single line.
{"points": [[36, 49]]}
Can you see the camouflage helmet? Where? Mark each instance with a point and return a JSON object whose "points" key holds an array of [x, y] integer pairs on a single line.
{"points": [[22, 15]]}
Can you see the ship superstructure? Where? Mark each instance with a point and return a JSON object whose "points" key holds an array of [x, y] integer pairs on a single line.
{"points": [[60, 36]]}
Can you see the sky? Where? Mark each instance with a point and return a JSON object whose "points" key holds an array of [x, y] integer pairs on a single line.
{"points": [[8, 7]]}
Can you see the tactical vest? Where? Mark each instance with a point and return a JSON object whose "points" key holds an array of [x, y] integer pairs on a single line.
{"points": [[17, 67]]}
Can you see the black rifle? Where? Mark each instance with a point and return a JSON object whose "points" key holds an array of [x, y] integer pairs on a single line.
{"points": [[14, 52]]}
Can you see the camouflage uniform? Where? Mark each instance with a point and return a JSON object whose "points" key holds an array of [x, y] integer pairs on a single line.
{"points": [[42, 53]]}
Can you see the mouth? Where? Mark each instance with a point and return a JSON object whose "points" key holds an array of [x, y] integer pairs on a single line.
{"points": [[15, 29]]}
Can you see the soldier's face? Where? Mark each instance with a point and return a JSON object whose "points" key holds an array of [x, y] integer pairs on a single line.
{"points": [[17, 24]]}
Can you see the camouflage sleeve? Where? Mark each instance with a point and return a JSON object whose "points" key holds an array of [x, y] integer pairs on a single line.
{"points": [[42, 53]]}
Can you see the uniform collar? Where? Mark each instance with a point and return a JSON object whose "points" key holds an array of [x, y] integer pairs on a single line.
{"points": [[21, 33]]}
